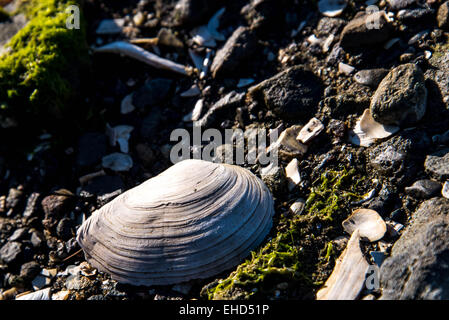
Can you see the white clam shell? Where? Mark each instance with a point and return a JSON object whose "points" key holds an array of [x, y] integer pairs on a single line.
{"points": [[370, 224], [192, 221]]}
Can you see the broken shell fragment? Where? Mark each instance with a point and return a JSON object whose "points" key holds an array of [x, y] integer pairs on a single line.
{"points": [[117, 162], [367, 130], [135, 52], [445, 190], [370, 224], [192, 221], [348, 277], [310, 130], [292, 173], [43, 294]]}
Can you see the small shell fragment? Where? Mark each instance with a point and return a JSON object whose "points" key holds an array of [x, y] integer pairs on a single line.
{"points": [[331, 8], [292, 173], [298, 206], [370, 224], [346, 69], [127, 104], [61, 295], [110, 26], [310, 131], [193, 91], [348, 277], [135, 52], [445, 190], [288, 144], [196, 112], [367, 130]]}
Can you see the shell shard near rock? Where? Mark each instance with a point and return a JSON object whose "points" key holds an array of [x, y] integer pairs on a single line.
{"points": [[348, 277], [367, 130], [370, 224], [331, 8], [192, 221], [135, 52]]}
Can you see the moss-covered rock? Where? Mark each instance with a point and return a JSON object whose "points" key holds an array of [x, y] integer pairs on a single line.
{"points": [[40, 72]]}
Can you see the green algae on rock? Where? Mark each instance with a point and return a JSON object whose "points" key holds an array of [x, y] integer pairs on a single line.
{"points": [[40, 72], [301, 251]]}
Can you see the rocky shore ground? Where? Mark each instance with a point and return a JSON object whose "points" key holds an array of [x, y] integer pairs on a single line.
{"points": [[369, 78]]}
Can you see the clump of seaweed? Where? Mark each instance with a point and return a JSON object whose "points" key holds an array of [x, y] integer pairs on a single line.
{"points": [[301, 255], [40, 72]]}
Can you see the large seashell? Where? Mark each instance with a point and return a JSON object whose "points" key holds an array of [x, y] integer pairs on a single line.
{"points": [[192, 221]]}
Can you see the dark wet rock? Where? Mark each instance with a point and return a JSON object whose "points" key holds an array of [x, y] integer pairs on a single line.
{"points": [[57, 204], [291, 94], [103, 185], [344, 104], [371, 77], [443, 16], [11, 252], [71, 245], [91, 148], [19, 234], [401, 98], [400, 157], [30, 270], [190, 12], [439, 74], [150, 123], [437, 164], [64, 229], [220, 108], [237, 49], [401, 4], [10, 27], [424, 189], [32, 205], [261, 13], [420, 15], [418, 267], [357, 34], [152, 93]]}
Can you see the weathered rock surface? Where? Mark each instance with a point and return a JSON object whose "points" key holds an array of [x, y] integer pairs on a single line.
{"points": [[443, 16], [239, 47], [437, 164], [401, 97], [293, 93], [424, 189], [363, 30], [418, 267]]}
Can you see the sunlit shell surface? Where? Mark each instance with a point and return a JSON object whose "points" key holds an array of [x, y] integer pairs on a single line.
{"points": [[192, 221]]}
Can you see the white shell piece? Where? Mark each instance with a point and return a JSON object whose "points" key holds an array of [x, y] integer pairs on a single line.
{"points": [[43, 294], [367, 130], [194, 220], [348, 277], [370, 224], [331, 8]]}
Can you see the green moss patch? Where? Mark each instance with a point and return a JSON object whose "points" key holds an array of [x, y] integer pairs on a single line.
{"points": [[297, 261], [40, 73]]}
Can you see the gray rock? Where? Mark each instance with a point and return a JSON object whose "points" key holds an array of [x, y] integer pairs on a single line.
{"points": [[11, 252], [418, 267], [10, 27], [220, 108], [400, 157], [261, 13], [19, 234], [416, 15], [424, 189], [64, 229], [192, 11], [401, 98], [152, 93], [238, 48], [439, 74], [291, 94], [57, 204], [437, 164], [371, 77], [357, 34], [91, 148], [30, 270], [327, 26], [14, 197], [36, 239], [443, 16]]}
